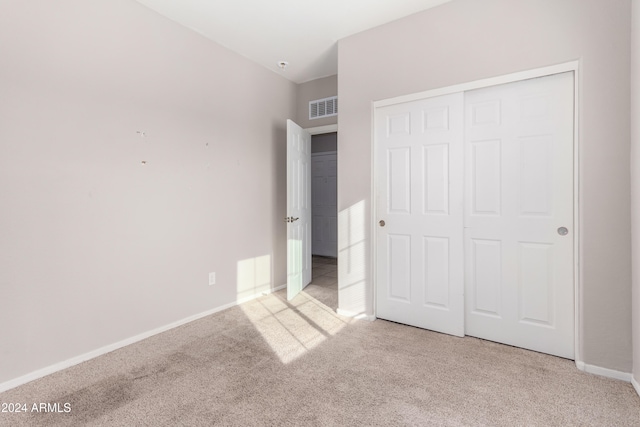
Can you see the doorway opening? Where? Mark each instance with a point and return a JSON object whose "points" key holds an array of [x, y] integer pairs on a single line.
{"points": [[324, 214], [312, 209], [324, 195]]}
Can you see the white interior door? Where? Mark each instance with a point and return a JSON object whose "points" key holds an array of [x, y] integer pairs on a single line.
{"points": [[298, 209], [324, 203], [519, 195], [419, 279]]}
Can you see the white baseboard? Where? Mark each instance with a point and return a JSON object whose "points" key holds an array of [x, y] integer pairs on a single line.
{"points": [[635, 384], [111, 347], [604, 372], [358, 316], [254, 296]]}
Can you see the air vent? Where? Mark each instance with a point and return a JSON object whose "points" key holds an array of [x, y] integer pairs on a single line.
{"points": [[326, 107]]}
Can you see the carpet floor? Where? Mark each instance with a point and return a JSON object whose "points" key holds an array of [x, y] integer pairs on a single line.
{"points": [[273, 362]]}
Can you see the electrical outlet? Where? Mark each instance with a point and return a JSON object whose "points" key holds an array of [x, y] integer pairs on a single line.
{"points": [[212, 279]]}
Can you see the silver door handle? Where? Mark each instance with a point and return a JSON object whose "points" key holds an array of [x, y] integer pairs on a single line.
{"points": [[563, 231], [382, 223]]}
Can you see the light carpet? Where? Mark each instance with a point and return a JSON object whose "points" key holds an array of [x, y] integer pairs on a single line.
{"points": [[270, 362]]}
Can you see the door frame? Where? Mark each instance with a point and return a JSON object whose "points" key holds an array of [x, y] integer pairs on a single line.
{"points": [[321, 130], [318, 130], [573, 66]]}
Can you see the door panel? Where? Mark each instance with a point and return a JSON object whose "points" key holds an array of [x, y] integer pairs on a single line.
{"points": [[298, 209], [436, 271], [419, 277], [484, 277], [399, 268], [520, 190], [485, 165], [536, 276], [536, 179], [399, 180], [436, 173]]}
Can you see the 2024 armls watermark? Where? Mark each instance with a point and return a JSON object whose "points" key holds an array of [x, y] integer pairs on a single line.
{"points": [[40, 407]]}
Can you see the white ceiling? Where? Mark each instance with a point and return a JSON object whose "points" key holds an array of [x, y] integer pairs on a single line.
{"points": [[301, 32]]}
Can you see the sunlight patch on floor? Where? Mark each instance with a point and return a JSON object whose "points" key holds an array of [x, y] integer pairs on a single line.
{"points": [[293, 328]]}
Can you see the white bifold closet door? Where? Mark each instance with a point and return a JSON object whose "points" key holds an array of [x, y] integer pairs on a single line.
{"points": [[487, 213], [419, 187], [519, 201]]}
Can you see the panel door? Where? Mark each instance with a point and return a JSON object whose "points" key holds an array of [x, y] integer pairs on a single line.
{"points": [[419, 239], [519, 195], [324, 204], [298, 209]]}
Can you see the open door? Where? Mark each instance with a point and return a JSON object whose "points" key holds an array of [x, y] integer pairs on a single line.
{"points": [[298, 209]]}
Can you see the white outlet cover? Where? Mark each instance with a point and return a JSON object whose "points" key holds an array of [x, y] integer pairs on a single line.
{"points": [[212, 279]]}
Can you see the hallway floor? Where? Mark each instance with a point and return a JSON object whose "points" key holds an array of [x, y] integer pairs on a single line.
{"points": [[324, 281]]}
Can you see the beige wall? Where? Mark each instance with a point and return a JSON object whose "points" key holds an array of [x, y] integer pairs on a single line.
{"points": [[467, 40], [312, 90], [635, 184], [95, 247]]}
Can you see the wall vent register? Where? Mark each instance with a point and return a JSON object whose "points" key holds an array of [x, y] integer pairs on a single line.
{"points": [[325, 107]]}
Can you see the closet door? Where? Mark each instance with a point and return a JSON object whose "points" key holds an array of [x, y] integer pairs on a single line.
{"points": [[419, 238], [518, 217], [324, 202]]}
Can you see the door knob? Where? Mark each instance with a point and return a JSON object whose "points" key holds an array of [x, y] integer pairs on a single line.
{"points": [[563, 231], [382, 223]]}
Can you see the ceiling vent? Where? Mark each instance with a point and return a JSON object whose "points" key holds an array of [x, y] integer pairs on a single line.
{"points": [[325, 107]]}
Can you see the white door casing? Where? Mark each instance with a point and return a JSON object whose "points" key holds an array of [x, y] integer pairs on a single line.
{"points": [[298, 209], [324, 185], [514, 148], [519, 193], [419, 199]]}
